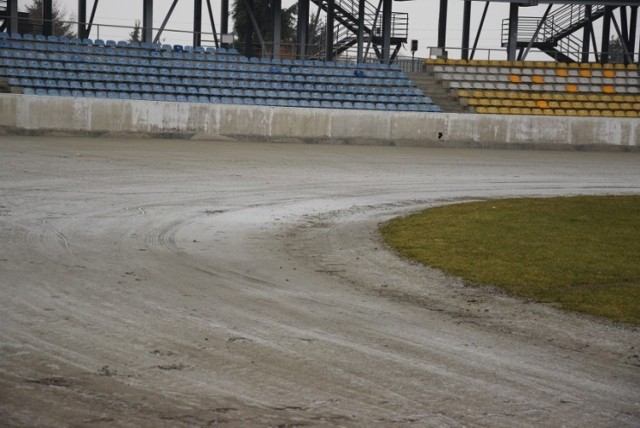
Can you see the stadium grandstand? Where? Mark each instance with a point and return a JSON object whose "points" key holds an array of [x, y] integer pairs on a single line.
{"points": [[576, 79]]}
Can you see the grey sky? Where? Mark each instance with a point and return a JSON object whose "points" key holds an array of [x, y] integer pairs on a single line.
{"points": [[423, 20]]}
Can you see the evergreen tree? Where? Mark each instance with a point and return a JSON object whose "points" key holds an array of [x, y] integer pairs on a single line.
{"points": [[134, 36], [61, 26], [262, 10]]}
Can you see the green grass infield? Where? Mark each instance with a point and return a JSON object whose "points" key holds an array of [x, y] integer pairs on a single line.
{"points": [[580, 253]]}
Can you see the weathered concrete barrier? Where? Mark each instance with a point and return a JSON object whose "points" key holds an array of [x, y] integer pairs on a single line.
{"points": [[85, 116]]}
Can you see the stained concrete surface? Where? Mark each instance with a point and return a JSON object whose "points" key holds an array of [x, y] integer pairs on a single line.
{"points": [[194, 283]]}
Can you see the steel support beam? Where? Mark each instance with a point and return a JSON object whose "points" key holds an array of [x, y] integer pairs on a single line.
{"points": [[213, 24], [224, 17], [47, 17], [303, 28], [386, 31], [513, 32], [197, 22], [147, 21], [82, 19], [586, 35], [466, 28], [633, 27], [276, 8], [361, 11], [330, 21], [442, 26], [12, 12], [484, 16], [606, 33]]}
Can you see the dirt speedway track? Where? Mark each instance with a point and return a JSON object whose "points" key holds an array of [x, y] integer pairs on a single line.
{"points": [[185, 283]]}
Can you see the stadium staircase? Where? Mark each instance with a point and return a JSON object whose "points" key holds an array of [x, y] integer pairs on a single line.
{"points": [[346, 14], [541, 87], [555, 37], [438, 94], [38, 65]]}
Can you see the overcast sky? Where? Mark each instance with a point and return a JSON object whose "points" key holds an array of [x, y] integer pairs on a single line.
{"points": [[423, 20]]}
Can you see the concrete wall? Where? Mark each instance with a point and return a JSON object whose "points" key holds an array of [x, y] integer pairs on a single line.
{"points": [[39, 114]]}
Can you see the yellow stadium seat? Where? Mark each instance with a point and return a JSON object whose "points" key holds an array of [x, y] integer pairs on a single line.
{"points": [[517, 103], [590, 105], [577, 105], [526, 111], [542, 104], [601, 105], [496, 102], [595, 113], [571, 88], [473, 102], [618, 98], [608, 89], [618, 113], [530, 104], [537, 79], [463, 93], [620, 66], [492, 110], [560, 112], [536, 111], [583, 113], [562, 72], [477, 94], [536, 96], [554, 104], [607, 66], [585, 72], [515, 110], [560, 65], [514, 78], [607, 113], [610, 74], [571, 112], [573, 65], [632, 67], [558, 96], [594, 98], [485, 102], [547, 112], [613, 106], [626, 106], [504, 110], [636, 106], [580, 97], [565, 104], [632, 113]]}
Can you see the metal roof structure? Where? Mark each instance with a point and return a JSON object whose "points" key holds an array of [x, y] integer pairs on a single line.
{"points": [[565, 31]]}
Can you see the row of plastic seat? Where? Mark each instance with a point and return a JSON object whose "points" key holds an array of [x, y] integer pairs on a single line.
{"points": [[548, 96], [544, 104], [528, 64], [129, 48], [226, 91], [501, 86], [249, 73], [236, 100], [21, 77], [631, 114], [537, 80], [541, 72]]}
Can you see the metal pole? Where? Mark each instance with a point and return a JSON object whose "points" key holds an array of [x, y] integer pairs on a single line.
{"points": [[330, 22], [213, 25], [197, 22], [47, 17], [475, 43], [535, 34], [586, 34], [513, 31], [12, 6], [386, 31], [466, 24], [606, 32], [361, 12], [224, 17], [633, 27], [82, 19], [277, 29], [442, 26], [303, 27], [147, 21]]}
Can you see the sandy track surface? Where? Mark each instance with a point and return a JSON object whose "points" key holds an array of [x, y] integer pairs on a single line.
{"points": [[182, 283]]}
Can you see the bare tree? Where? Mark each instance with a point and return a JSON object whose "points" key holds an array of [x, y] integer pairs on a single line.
{"points": [[61, 24]]}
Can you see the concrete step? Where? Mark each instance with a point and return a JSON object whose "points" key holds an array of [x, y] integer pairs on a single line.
{"points": [[438, 94]]}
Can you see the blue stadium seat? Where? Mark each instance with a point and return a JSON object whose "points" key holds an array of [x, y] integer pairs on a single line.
{"points": [[28, 91]]}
